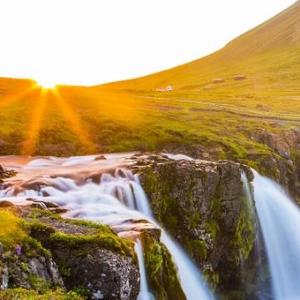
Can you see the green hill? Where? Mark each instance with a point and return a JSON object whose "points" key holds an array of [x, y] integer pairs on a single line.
{"points": [[207, 113], [269, 55]]}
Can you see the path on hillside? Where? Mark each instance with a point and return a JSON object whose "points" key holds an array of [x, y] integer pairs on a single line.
{"points": [[226, 108]]}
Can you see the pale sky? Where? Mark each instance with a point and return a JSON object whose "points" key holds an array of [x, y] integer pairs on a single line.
{"points": [[96, 41]]}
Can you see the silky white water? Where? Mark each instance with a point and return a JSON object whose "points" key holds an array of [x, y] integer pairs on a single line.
{"points": [[144, 293], [117, 200], [190, 278], [279, 218]]}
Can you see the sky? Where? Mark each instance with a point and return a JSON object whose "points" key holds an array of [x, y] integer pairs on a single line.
{"points": [[90, 42]]}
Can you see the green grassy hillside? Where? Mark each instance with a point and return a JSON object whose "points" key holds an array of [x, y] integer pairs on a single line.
{"points": [[220, 118], [268, 55]]}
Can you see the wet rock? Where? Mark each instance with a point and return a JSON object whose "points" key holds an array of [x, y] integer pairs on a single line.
{"points": [[119, 282], [100, 157], [203, 205], [44, 203], [37, 204], [100, 263], [284, 164], [6, 204], [24, 271], [3, 276], [5, 173], [58, 210], [46, 269], [161, 270]]}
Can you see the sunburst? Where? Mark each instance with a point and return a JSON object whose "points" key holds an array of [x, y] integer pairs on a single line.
{"points": [[35, 122], [46, 84], [74, 121]]}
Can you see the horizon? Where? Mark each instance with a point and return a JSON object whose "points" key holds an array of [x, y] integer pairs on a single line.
{"points": [[49, 59]]}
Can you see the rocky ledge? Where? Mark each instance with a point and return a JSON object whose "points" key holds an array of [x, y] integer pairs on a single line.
{"points": [[49, 253]]}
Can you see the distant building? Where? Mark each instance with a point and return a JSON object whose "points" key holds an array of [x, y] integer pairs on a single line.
{"points": [[218, 80], [165, 89], [239, 77]]}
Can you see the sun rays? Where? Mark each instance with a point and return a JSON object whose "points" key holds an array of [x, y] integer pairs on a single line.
{"points": [[61, 119], [15, 96], [35, 123], [40, 104], [74, 121]]}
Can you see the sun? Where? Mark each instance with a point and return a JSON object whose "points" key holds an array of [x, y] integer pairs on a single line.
{"points": [[46, 83]]}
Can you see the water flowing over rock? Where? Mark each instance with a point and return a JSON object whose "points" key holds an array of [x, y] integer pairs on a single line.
{"points": [[279, 219], [202, 204], [144, 293], [119, 201]]}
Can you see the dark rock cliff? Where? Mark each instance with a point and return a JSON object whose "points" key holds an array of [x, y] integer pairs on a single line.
{"points": [[203, 205], [284, 164]]}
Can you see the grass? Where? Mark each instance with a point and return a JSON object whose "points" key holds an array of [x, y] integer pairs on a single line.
{"points": [[118, 121], [11, 229], [23, 294], [131, 115], [96, 235]]}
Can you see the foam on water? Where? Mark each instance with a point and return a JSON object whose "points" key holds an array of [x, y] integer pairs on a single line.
{"points": [[117, 200]]}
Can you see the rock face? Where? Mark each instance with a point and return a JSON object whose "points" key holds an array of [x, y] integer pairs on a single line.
{"points": [[107, 275], [276, 155], [284, 165], [70, 255], [5, 173], [91, 258], [161, 271], [29, 268], [203, 205]]}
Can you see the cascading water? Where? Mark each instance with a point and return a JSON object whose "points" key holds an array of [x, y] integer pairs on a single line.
{"points": [[115, 201], [190, 278], [262, 284], [144, 290], [279, 218]]}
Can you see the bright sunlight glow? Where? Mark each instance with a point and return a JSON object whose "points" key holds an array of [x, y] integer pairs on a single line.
{"points": [[46, 83]]}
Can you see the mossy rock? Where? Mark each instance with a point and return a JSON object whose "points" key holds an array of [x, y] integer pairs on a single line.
{"points": [[89, 256], [161, 271], [25, 294]]}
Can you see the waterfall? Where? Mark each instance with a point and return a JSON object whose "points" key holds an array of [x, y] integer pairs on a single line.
{"points": [[190, 278], [144, 293], [262, 286], [279, 218], [117, 200]]}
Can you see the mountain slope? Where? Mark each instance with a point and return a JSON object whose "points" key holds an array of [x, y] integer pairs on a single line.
{"points": [[271, 49], [240, 120]]}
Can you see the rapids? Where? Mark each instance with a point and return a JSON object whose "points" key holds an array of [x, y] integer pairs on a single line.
{"points": [[102, 190]]}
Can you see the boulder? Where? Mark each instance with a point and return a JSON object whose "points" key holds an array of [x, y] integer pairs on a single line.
{"points": [[30, 268], [90, 257]]}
